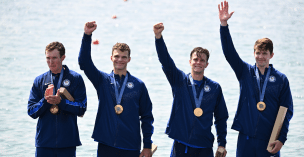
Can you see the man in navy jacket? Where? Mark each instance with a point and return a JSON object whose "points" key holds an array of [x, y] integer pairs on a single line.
{"points": [[57, 133], [196, 100], [259, 83], [123, 102]]}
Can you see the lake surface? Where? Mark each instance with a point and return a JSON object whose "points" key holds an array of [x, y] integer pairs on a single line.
{"points": [[28, 26]]}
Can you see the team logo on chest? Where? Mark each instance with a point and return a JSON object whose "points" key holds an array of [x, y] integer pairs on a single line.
{"points": [[207, 88], [272, 78], [66, 82], [130, 85]]}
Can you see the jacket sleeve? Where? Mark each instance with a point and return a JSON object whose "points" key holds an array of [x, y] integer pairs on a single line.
{"points": [[79, 106], [230, 53], [85, 61], [146, 117], [172, 73], [285, 100], [37, 105], [221, 116]]}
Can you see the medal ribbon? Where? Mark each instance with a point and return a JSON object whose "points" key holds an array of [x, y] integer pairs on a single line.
{"points": [[265, 83], [118, 97], [59, 81], [198, 101]]}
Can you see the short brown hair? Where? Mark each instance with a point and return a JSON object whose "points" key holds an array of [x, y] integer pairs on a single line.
{"points": [[55, 45], [122, 47], [199, 51], [263, 44]]}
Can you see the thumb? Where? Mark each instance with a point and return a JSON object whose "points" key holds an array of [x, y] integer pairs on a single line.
{"points": [[231, 13], [58, 93], [272, 144]]}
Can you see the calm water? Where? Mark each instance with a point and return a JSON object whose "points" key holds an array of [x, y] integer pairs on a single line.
{"points": [[28, 26]]}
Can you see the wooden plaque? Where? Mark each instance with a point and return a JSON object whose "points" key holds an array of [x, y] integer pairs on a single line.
{"points": [[277, 126], [65, 94], [153, 148], [220, 152]]}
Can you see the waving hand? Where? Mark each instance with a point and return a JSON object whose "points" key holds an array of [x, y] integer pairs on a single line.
{"points": [[224, 15]]}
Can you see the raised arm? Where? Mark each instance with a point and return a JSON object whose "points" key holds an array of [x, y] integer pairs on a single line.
{"points": [[168, 65], [229, 51], [85, 60], [161, 48]]}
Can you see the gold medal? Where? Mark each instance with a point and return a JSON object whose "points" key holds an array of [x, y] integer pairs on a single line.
{"points": [[54, 109], [198, 112], [118, 109], [261, 106]]}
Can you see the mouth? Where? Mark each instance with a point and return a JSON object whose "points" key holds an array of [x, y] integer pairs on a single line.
{"points": [[197, 69], [120, 64]]}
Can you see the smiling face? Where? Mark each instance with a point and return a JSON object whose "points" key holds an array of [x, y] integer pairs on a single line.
{"points": [[262, 58], [198, 63], [120, 60], [54, 60], [263, 52]]}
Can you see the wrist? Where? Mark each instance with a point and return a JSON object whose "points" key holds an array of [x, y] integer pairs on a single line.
{"points": [[59, 100], [88, 33], [158, 36], [224, 23]]}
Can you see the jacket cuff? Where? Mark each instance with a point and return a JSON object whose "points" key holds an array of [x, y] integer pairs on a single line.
{"points": [[161, 38], [87, 37], [148, 145], [282, 139], [223, 144], [62, 103], [224, 28]]}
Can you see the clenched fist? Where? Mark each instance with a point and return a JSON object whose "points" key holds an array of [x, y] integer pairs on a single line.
{"points": [[90, 27], [158, 28]]}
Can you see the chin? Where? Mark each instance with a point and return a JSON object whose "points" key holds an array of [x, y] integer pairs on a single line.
{"points": [[262, 65], [198, 72], [52, 69], [120, 68]]}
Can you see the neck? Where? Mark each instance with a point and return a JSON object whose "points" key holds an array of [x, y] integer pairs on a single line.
{"points": [[120, 72], [262, 68], [57, 71], [197, 76]]}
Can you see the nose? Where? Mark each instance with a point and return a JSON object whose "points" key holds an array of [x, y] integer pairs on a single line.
{"points": [[118, 59], [259, 55], [52, 61]]}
